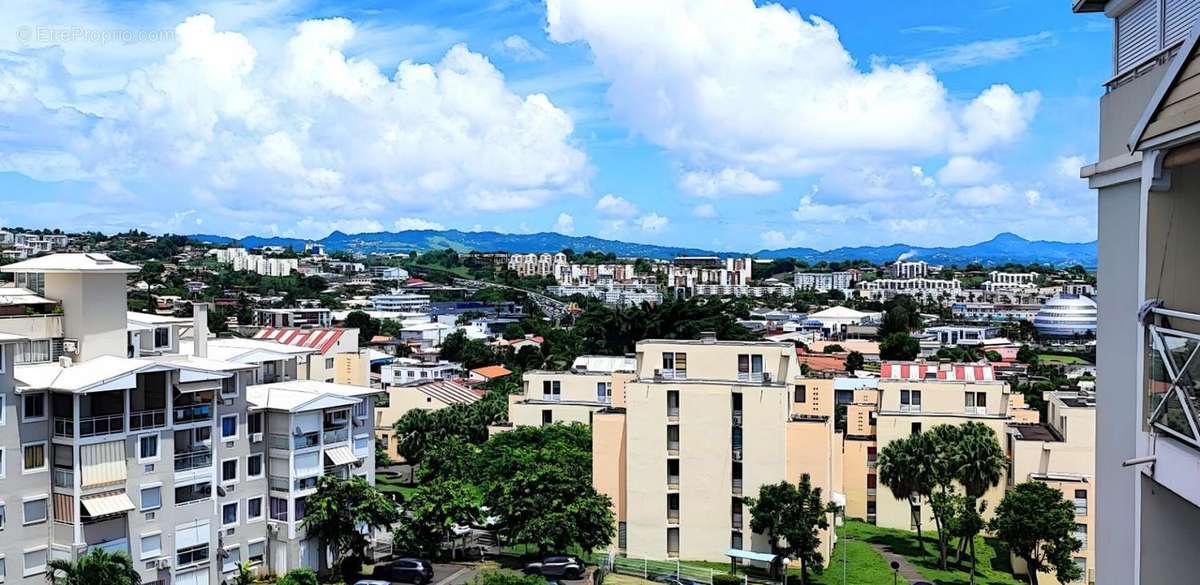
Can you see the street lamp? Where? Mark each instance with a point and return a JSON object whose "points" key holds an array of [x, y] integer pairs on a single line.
{"points": [[895, 571], [785, 562]]}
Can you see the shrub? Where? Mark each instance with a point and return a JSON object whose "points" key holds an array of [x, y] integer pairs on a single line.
{"points": [[726, 579], [299, 577], [506, 577]]}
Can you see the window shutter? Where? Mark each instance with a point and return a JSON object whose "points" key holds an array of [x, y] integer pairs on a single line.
{"points": [[1180, 16], [1137, 34]]}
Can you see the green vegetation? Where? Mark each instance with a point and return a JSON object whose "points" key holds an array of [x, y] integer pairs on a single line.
{"points": [[299, 577], [1061, 359], [863, 564], [97, 567], [1038, 524], [506, 577], [337, 511], [792, 514], [992, 557]]}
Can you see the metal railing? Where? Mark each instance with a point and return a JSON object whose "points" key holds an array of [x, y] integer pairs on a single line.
{"points": [[552, 397], [147, 419], [306, 440], [193, 460], [672, 374], [337, 436], [279, 441], [1169, 388], [64, 427], [750, 376], [279, 484], [195, 413], [108, 424], [64, 478]]}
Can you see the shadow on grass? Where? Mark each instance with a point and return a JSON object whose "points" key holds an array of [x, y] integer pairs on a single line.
{"points": [[1002, 562], [924, 558]]}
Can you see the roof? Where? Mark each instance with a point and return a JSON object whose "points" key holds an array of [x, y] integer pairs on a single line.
{"points": [[9, 338], [302, 395], [751, 555], [447, 391], [321, 340], [151, 319], [1173, 92], [491, 371], [11, 295], [933, 371], [863, 346], [1033, 432], [841, 383], [604, 363], [67, 263], [838, 312], [82, 377], [236, 349]]}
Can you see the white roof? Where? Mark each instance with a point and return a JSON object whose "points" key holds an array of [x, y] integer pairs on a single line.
{"points": [[235, 349], [11, 295], [303, 395], [9, 338], [604, 363], [199, 363], [96, 373], [838, 312], [151, 319], [55, 263]]}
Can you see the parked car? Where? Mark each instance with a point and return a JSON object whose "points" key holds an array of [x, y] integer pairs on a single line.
{"points": [[569, 567], [372, 582], [409, 570]]}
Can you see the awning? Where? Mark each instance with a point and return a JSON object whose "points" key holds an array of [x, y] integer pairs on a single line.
{"points": [[750, 555], [341, 456], [200, 386], [107, 504]]}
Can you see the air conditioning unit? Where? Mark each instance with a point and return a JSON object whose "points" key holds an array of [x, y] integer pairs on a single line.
{"points": [[227, 402], [272, 529], [163, 564], [229, 531], [256, 437], [149, 516], [230, 488]]}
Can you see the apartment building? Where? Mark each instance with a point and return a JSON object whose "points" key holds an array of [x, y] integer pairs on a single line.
{"points": [[916, 396], [536, 264], [909, 269], [1010, 280], [926, 288], [767, 289], [593, 384], [860, 445], [686, 273], [1061, 453], [400, 303], [34, 318], [823, 281], [241, 259], [1146, 173], [162, 456], [338, 359], [406, 370], [965, 335], [568, 274], [294, 317]]}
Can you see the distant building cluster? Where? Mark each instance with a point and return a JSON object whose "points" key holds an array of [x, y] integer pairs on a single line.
{"points": [[17, 245], [242, 260]]}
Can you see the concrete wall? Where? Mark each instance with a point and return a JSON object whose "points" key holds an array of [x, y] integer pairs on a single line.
{"points": [[1170, 531], [93, 311], [609, 462], [854, 476]]}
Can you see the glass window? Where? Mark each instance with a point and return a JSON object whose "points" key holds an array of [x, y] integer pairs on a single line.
{"points": [[151, 546], [301, 508], [3, 568], [603, 392], [35, 457], [328, 363], [233, 558], [34, 406], [256, 552], [229, 470], [229, 426], [229, 513], [148, 447], [162, 337], [801, 393], [279, 509], [35, 511], [35, 561], [3, 517], [151, 498], [254, 508], [254, 466], [254, 423]]}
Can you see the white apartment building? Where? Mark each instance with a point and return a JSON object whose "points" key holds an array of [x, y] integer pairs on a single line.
{"points": [[627, 295], [756, 291], [1146, 174], [997, 279], [686, 273], [165, 457], [536, 264], [405, 370], [400, 303], [823, 281], [966, 335], [589, 274], [908, 269], [241, 259], [928, 288], [316, 317]]}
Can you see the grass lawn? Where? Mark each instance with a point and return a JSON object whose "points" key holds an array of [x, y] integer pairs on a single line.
{"points": [[1061, 359], [993, 566], [389, 483]]}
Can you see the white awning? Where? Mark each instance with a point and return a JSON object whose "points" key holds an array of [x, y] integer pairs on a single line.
{"points": [[750, 555], [199, 386], [341, 456], [107, 504], [190, 535]]}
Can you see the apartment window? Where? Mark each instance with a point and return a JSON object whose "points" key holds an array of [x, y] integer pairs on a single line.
{"points": [[254, 509], [1081, 503], [229, 514], [801, 394], [151, 498], [976, 402], [229, 426], [233, 558], [256, 552], [162, 337], [916, 428], [603, 392], [34, 459], [750, 367], [673, 403], [147, 447], [33, 407], [229, 470], [328, 363], [35, 560], [672, 472], [910, 401], [3, 569], [229, 387], [673, 506], [1081, 535], [254, 466], [254, 423], [3, 397], [914, 516], [191, 555], [870, 507], [672, 542], [547, 417], [301, 508], [33, 351], [35, 510], [151, 546], [672, 438], [187, 494], [279, 509], [551, 390], [674, 365], [735, 540]]}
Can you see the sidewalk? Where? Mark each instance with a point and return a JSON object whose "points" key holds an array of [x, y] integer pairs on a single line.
{"points": [[907, 571]]}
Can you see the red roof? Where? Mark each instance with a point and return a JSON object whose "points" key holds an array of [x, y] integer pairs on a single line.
{"points": [[491, 372], [320, 339], [935, 371]]}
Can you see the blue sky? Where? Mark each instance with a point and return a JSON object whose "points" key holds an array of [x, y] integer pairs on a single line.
{"points": [[722, 124]]}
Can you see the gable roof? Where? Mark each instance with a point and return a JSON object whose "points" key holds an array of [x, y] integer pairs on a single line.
{"points": [[446, 391], [303, 395], [1176, 101], [932, 371], [321, 340]]}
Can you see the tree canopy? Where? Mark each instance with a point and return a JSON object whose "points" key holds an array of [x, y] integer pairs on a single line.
{"points": [[97, 567], [1037, 524], [792, 516], [337, 511]]}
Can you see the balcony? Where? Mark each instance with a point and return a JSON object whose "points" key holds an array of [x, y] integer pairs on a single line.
{"points": [[737, 486], [64, 478], [750, 376], [191, 414], [666, 374], [338, 471], [279, 441], [193, 460], [97, 426], [119, 545], [147, 419], [307, 440], [336, 436], [279, 484], [1171, 395]]}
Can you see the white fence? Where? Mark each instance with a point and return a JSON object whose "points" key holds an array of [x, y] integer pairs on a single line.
{"points": [[655, 569]]}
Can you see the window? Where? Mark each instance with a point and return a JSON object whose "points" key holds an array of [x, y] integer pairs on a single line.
{"points": [[254, 509], [672, 472], [672, 542], [3, 463], [229, 426], [3, 397], [750, 367], [301, 508], [254, 466], [603, 392], [910, 401], [229, 470], [147, 447], [34, 458], [162, 337], [279, 509], [229, 387], [151, 546], [328, 363], [3, 569], [187, 494], [229, 514], [673, 506], [1081, 503], [551, 390], [33, 407], [3, 516], [674, 365], [916, 428], [547, 417], [256, 552], [233, 558], [35, 560], [976, 403], [672, 438], [151, 498], [673, 403], [1081, 535], [35, 510], [32, 352], [801, 394], [191, 555], [254, 423]]}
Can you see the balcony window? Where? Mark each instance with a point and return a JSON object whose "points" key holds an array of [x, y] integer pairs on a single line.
{"points": [[151, 498], [673, 403], [672, 542], [1171, 371], [672, 439], [674, 365], [279, 509], [192, 493], [673, 507], [910, 401], [603, 392], [192, 555], [672, 472], [1081, 503], [551, 390], [976, 402], [750, 367]]}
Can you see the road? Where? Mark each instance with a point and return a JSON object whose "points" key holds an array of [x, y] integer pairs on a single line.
{"points": [[551, 307]]}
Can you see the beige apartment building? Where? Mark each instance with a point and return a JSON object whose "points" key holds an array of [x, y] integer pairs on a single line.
{"points": [[427, 394], [1061, 453], [669, 445]]}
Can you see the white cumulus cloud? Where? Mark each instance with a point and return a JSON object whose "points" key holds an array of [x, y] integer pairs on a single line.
{"points": [[653, 222], [565, 224], [416, 223], [965, 170], [726, 181], [614, 206]]}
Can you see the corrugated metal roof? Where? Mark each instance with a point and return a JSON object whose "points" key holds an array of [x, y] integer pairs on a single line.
{"points": [[447, 391], [320, 339], [937, 372]]}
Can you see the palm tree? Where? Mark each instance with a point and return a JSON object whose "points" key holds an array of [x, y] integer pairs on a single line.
{"points": [[906, 467], [97, 567], [978, 463]]}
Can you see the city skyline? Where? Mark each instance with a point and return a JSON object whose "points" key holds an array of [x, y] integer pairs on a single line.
{"points": [[520, 117]]}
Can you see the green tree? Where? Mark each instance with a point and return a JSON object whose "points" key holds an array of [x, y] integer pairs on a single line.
{"points": [[97, 567], [977, 463], [854, 361], [1026, 355], [299, 577], [833, 348], [433, 510], [795, 515], [1037, 524], [514, 331], [367, 327], [413, 432], [507, 577], [245, 574], [338, 510], [899, 346], [907, 467]]}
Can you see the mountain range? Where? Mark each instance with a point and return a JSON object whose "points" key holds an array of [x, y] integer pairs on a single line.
{"points": [[1005, 247]]}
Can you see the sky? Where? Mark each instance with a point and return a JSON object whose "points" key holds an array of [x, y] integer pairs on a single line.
{"points": [[719, 124]]}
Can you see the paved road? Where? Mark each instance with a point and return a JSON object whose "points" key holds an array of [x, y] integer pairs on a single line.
{"points": [[907, 571], [550, 306]]}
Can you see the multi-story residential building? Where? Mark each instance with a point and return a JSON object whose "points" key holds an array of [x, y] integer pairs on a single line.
{"points": [[568, 274], [294, 317], [406, 370], [162, 456], [151, 335], [1010, 280], [338, 359], [981, 311], [916, 396], [860, 445], [592, 384], [767, 289], [1061, 453], [910, 269], [34, 318], [400, 303], [1149, 309], [823, 281], [627, 295], [964, 334], [241, 259], [927, 288], [536, 264], [686, 273]]}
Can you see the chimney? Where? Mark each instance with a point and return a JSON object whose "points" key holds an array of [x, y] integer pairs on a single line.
{"points": [[200, 329]]}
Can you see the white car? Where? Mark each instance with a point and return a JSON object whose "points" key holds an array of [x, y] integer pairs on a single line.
{"points": [[372, 582]]}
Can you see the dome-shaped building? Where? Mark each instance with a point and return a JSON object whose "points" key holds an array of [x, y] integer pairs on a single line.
{"points": [[1066, 315]]}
